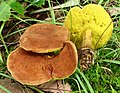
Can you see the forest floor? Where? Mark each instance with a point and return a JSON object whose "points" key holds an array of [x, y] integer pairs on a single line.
{"points": [[16, 16]]}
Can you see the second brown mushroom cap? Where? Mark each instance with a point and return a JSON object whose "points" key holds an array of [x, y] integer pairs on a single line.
{"points": [[44, 38]]}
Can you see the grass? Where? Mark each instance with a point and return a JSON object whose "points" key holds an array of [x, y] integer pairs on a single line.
{"points": [[103, 77], [6, 90]]}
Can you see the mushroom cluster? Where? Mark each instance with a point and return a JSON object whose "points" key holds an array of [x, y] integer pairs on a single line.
{"points": [[32, 64], [90, 28]]}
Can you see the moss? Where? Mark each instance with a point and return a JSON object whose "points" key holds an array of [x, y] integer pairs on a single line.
{"points": [[93, 17]]}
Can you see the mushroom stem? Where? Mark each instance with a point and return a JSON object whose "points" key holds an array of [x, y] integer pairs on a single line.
{"points": [[86, 53], [87, 39]]}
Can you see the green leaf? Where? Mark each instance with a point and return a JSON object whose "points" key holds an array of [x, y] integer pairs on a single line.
{"points": [[16, 6], [37, 3], [4, 11], [10, 1]]}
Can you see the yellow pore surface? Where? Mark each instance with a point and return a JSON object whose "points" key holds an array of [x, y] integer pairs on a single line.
{"points": [[93, 17]]}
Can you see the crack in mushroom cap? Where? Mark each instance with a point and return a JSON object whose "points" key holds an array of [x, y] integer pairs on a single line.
{"points": [[33, 69], [44, 38]]}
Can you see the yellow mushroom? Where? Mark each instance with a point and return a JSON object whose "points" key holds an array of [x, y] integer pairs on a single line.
{"points": [[90, 28]]}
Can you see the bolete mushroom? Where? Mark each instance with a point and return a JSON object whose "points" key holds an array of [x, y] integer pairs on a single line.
{"points": [[34, 69], [44, 38], [90, 28]]}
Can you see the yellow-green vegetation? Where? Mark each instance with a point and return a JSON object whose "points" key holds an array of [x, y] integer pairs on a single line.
{"points": [[92, 17]]}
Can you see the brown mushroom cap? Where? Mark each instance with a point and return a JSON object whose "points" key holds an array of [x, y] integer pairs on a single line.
{"points": [[33, 69], [43, 38]]}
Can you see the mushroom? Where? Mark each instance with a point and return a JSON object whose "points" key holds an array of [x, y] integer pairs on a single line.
{"points": [[44, 38], [34, 69], [90, 28]]}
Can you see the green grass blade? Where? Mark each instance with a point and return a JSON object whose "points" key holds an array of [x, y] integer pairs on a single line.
{"points": [[87, 82], [52, 12], [112, 61], [113, 90], [17, 17], [115, 28], [5, 46], [76, 83], [34, 88], [1, 37], [2, 26], [42, 21], [1, 60], [100, 2], [1, 74], [6, 90], [15, 32], [113, 51], [81, 83]]}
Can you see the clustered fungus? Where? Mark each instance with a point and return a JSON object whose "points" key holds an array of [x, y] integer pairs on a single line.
{"points": [[90, 28], [30, 63]]}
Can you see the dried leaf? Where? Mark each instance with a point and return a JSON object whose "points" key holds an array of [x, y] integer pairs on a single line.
{"points": [[13, 87], [114, 11], [55, 87]]}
